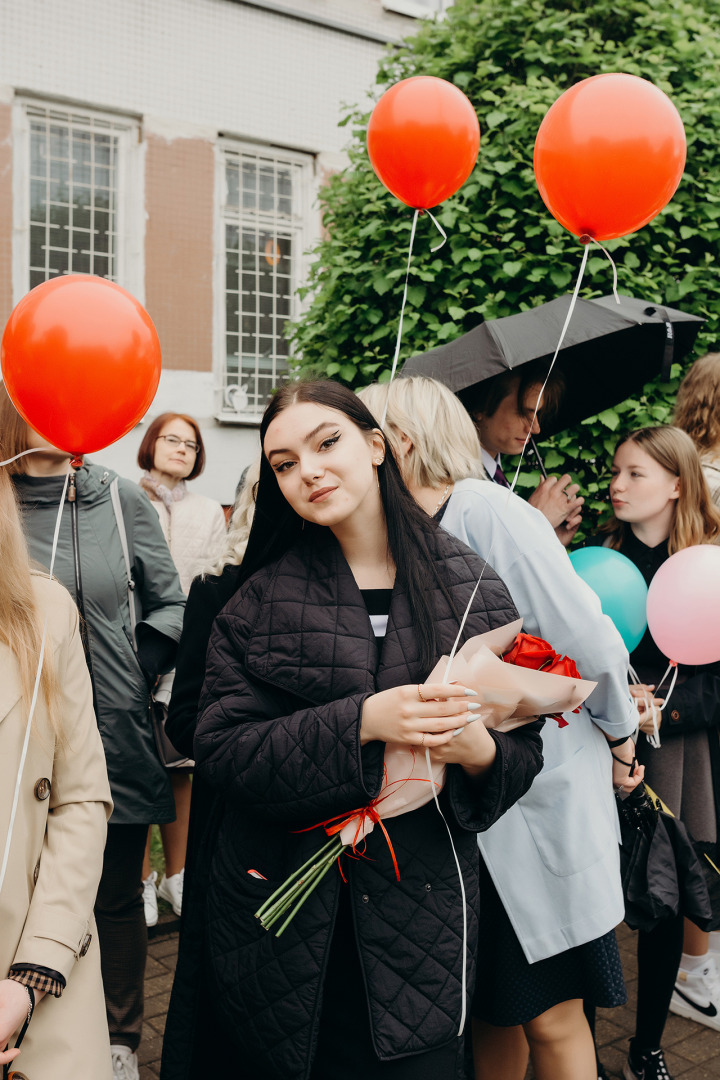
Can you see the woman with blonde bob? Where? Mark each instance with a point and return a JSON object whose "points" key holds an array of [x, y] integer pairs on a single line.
{"points": [[697, 411], [49, 955], [661, 505], [551, 863]]}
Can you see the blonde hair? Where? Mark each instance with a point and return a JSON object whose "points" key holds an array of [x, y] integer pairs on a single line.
{"points": [[238, 532], [697, 407], [13, 434], [696, 519], [445, 443], [20, 626]]}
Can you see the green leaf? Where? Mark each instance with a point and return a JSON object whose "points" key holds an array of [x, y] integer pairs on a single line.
{"points": [[609, 418]]}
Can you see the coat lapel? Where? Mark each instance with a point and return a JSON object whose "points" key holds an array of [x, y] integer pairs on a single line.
{"points": [[312, 635]]}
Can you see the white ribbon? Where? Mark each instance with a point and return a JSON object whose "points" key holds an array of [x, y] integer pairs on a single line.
{"points": [[609, 257], [36, 688]]}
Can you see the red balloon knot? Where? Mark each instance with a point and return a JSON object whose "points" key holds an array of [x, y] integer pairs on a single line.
{"points": [[585, 239], [76, 462]]}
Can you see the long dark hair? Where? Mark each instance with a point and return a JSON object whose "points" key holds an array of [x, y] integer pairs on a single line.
{"points": [[277, 527]]}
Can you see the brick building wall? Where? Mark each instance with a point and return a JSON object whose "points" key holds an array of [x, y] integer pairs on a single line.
{"points": [[189, 81]]}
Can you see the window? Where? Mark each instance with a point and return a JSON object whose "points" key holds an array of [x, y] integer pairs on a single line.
{"points": [[75, 171], [264, 215], [417, 8]]}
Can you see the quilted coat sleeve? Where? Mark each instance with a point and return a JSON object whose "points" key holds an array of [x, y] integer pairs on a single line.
{"points": [[478, 805], [286, 764]]}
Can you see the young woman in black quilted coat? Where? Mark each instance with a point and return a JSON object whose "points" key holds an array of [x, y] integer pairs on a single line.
{"points": [[306, 680]]}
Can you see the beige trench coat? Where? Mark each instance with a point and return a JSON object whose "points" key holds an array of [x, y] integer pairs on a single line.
{"points": [[56, 853]]}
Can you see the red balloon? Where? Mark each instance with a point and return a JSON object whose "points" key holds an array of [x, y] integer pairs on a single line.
{"points": [[609, 155], [81, 361], [423, 140]]}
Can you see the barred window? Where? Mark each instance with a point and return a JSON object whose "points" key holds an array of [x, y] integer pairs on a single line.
{"points": [[74, 182], [264, 213]]}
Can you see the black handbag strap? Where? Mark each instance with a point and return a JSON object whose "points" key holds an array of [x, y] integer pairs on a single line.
{"points": [[23, 1029]]}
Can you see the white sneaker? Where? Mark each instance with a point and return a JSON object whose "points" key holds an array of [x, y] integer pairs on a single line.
{"points": [[714, 944], [150, 899], [697, 995], [124, 1063], [171, 889]]}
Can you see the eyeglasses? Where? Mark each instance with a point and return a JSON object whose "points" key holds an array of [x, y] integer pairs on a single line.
{"points": [[173, 440]]}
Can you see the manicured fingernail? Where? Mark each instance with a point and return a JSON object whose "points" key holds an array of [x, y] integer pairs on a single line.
{"points": [[474, 705], [458, 731], [471, 693]]}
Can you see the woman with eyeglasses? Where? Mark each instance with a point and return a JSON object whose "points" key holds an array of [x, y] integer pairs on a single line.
{"points": [[170, 455]]}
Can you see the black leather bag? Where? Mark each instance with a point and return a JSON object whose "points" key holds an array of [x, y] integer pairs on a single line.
{"points": [[662, 875]]}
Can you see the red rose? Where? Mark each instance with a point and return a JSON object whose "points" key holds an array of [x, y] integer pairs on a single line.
{"points": [[563, 665], [530, 652]]}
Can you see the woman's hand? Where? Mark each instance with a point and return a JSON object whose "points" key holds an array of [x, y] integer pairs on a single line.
{"points": [[474, 748], [14, 1005], [648, 707], [424, 716], [625, 777]]}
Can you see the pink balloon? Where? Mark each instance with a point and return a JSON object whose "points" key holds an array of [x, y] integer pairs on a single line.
{"points": [[683, 606]]}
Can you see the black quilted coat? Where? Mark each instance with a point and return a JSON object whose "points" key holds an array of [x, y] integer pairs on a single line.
{"points": [[292, 658]]}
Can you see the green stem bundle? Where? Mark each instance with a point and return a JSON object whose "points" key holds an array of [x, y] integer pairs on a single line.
{"points": [[295, 890]]}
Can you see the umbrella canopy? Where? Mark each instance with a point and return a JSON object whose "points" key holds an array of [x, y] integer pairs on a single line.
{"points": [[610, 351]]}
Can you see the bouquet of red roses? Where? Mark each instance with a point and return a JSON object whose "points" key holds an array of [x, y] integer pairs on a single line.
{"points": [[517, 678]]}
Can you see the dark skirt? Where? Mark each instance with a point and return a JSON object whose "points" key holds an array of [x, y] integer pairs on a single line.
{"points": [[511, 991], [345, 1048]]}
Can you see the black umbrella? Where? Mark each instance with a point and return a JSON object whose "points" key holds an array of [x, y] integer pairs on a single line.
{"points": [[610, 351]]}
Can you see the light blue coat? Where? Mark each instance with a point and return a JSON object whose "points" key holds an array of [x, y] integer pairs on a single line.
{"points": [[554, 855]]}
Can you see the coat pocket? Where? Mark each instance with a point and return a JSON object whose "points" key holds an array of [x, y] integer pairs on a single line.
{"points": [[563, 812]]}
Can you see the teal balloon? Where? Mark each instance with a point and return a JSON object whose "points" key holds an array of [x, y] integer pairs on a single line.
{"points": [[620, 587]]}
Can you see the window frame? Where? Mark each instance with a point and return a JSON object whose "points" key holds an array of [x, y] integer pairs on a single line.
{"points": [[304, 224], [129, 195]]}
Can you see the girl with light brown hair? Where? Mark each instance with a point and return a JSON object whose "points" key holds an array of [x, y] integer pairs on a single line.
{"points": [[697, 411], [661, 505], [53, 836]]}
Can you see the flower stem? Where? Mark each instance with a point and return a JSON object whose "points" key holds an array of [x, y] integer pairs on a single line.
{"points": [[318, 878], [332, 843]]}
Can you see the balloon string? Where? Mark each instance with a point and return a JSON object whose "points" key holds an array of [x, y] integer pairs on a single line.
{"points": [[652, 710], [440, 229], [33, 450], [463, 1012], [563, 332], [612, 263], [402, 313], [36, 689], [671, 665]]}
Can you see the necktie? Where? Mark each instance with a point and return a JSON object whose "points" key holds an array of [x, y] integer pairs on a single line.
{"points": [[500, 478]]}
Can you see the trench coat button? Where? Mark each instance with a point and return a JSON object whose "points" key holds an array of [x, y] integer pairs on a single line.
{"points": [[85, 944], [42, 789], [675, 715], [365, 898], [428, 887]]}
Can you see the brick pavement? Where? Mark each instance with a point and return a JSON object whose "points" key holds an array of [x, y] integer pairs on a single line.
{"points": [[693, 1051]]}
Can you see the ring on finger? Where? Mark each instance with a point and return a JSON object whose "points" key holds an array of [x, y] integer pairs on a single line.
{"points": [[422, 741], [424, 700], [567, 495]]}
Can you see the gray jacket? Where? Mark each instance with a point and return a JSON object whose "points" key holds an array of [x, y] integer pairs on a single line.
{"points": [[139, 783]]}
